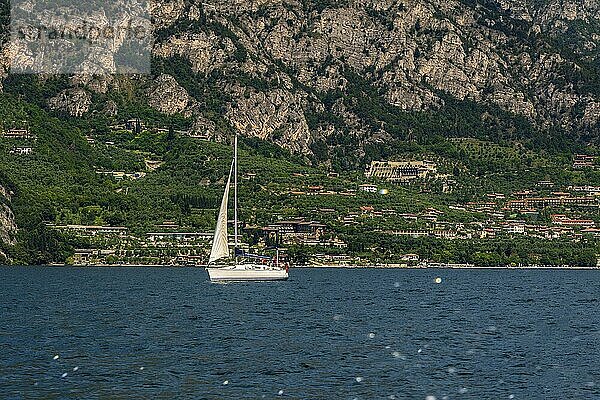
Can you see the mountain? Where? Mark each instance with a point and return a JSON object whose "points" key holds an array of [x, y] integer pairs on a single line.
{"points": [[344, 81]]}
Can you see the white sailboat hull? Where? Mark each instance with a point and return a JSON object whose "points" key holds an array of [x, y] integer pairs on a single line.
{"points": [[246, 273]]}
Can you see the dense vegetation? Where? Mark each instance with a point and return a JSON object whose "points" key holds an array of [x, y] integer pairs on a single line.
{"points": [[59, 184]]}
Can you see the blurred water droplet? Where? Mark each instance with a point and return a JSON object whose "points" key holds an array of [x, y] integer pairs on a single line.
{"points": [[64, 375], [225, 382], [371, 335], [55, 357], [462, 390], [438, 280], [359, 379], [280, 393]]}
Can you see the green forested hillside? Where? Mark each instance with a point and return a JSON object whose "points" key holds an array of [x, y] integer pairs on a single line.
{"points": [[59, 184]]}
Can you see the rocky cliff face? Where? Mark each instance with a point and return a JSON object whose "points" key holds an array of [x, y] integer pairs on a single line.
{"points": [[509, 53], [279, 62], [167, 96], [487, 51], [8, 227]]}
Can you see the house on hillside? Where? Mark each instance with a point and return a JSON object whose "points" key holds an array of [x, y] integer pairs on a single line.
{"points": [[581, 161], [21, 151], [368, 188], [401, 172], [17, 133]]}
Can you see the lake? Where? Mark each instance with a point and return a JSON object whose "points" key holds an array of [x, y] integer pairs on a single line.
{"points": [[324, 334]]}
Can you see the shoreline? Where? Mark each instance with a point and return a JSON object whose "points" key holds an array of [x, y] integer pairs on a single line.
{"points": [[376, 266], [546, 267]]}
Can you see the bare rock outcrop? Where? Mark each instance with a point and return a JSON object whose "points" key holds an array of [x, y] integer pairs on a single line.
{"points": [[206, 52], [167, 96], [8, 226], [275, 115], [75, 101]]}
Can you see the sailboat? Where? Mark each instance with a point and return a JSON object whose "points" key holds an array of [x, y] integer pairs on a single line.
{"points": [[222, 266]]}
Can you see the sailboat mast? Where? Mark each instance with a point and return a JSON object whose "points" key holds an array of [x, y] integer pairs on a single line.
{"points": [[235, 196]]}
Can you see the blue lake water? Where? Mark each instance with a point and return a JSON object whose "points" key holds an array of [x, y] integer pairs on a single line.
{"points": [[324, 334]]}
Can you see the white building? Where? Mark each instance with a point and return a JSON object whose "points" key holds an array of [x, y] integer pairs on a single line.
{"points": [[402, 171], [368, 188]]}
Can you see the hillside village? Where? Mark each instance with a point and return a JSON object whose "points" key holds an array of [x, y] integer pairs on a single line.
{"points": [[515, 215], [544, 211]]}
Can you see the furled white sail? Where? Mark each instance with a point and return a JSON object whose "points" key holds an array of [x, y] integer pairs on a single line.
{"points": [[220, 246]]}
